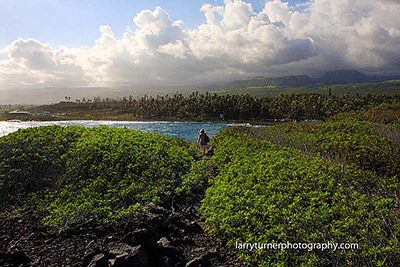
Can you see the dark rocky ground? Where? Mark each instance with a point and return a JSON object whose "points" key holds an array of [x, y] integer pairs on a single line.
{"points": [[158, 237], [167, 235]]}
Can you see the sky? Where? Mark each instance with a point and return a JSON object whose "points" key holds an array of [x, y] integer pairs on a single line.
{"points": [[76, 22], [47, 43]]}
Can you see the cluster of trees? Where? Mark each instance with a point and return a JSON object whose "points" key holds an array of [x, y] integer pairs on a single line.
{"points": [[236, 107]]}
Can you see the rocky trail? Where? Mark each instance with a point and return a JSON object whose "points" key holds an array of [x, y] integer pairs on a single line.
{"points": [[172, 235], [157, 237]]}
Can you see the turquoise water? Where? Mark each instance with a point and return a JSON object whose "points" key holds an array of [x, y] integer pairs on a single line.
{"points": [[186, 130]]}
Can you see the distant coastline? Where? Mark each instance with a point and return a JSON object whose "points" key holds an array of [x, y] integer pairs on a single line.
{"points": [[123, 118]]}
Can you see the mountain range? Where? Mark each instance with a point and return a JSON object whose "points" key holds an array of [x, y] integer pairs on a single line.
{"points": [[331, 77], [341, 81]]}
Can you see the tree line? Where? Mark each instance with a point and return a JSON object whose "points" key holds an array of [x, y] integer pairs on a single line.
{"points": [[233, 107]]}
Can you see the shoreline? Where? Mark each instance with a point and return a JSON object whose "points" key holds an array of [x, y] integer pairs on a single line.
{"points": [[51, 118]]}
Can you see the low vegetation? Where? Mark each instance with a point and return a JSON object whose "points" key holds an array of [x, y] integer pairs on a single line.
{"points": [[101, 173], [331, 181], [335, 182]]}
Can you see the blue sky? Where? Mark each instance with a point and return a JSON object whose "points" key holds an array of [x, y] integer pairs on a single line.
{"points": [[76, 22], [60, 43]]}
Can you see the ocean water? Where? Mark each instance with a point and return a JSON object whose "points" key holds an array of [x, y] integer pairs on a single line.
{"points": [[186, 130]]}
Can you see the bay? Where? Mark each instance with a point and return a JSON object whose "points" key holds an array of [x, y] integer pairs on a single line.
{"points": [[186, 130]]}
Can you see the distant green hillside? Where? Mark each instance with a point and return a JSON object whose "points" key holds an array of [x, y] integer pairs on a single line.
{"points": [[285, 81], [352, 76], [343, 77], [329, 78], [377, 88], [339, 81], [342, 81]]}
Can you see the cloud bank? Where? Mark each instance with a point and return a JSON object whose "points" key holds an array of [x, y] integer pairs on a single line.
{"points": [[235, 42]]}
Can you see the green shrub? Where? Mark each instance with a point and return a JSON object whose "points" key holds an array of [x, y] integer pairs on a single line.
{"points": [[194, 183], [371, 146], [91, 173], [31, 160], [270, 194], [384, 113]]}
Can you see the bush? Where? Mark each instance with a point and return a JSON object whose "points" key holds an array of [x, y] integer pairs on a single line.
{"points": [[194, 183], [77, 173], [270, 194], [31, 160], [371, 146]]}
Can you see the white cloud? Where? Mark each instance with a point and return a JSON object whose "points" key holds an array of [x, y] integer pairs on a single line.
{"points": [[26, 63], [175, 49], [156, 28], [235, 42]]}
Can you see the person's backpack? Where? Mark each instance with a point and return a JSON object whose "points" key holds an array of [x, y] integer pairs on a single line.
{"points": [[207, 138]]}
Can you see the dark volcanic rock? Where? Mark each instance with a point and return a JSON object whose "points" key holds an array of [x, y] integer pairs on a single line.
{"points": [[98, 260], [26, 242], [88, 257], [198, 262], [164, 242], [203, 260], [193, 227], [155, 221], [158, 210], [131, 256], [167, 247], [16, 258], [115, 248], [211, 254], [143, 236], [188, 241], [3, 257]]}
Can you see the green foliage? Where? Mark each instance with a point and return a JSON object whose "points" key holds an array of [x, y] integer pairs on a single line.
{"points": [[31, 160], [384, 113], [271, 194], [90, 173], [242, 106], [334, 181], [371, 146], [194, 183]]}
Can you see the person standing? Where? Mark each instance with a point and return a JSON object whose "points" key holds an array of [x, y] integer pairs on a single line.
{"points": [[203, 140]]}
